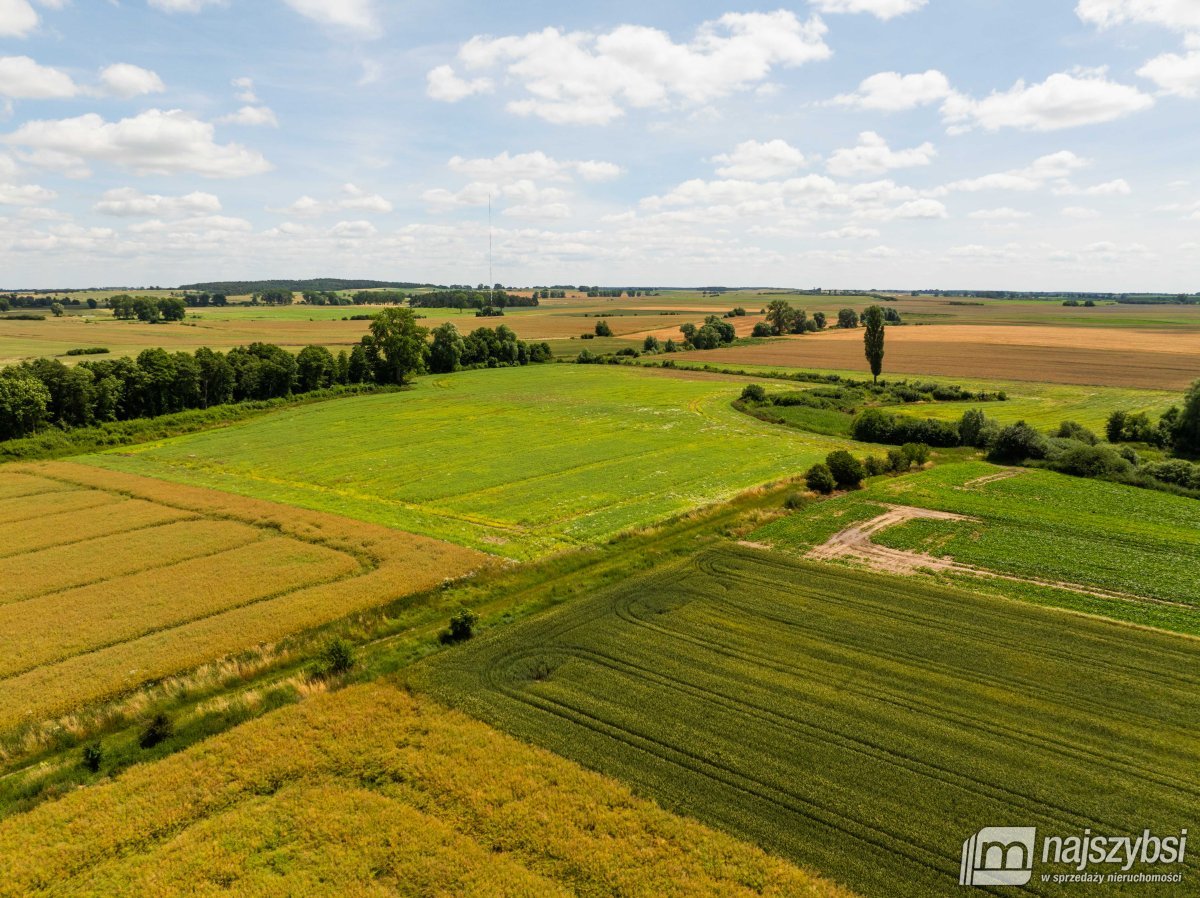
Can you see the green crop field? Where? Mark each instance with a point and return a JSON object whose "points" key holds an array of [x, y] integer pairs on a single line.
{"points": [[1039, 525], [518, 462], [860, 725]]}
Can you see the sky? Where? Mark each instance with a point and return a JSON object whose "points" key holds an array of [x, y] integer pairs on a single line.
{"points": [[885, 144]]}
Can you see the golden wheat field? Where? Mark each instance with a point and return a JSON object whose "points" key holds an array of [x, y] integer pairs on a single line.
{"points": [[372, 792], [131, 579]]}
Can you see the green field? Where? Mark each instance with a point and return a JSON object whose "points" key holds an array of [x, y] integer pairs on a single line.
{"points": [[1035, 524], [518, 462], [857, 724]]}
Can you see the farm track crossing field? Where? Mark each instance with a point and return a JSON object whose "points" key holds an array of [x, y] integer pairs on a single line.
{"points": [[370, 792], [1116, 358], [1035, 524], [518, 462], [859, 725], [143, 579]]}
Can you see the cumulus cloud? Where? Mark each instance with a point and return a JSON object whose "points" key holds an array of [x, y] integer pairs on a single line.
{"points": [[1063, 100], [533, 166], [755, 161], [252, 116], [129, 202], [893, 92], [125, 81], [883, 9], [1119, 187], [1045, 169], [21, 78], [352, 198], [359, 18], [154, 142], [523, 199], [24, 195], [850, 232], [1176, 73], [1004, 213], [592, 78], [18, 17], [1181, 15], [873, 156]]}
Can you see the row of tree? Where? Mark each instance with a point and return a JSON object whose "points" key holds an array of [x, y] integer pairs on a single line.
{"points": [[46, 392], [471, 299], [151, 309]]}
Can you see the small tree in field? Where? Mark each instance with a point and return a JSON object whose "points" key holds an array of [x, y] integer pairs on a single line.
{"points": [[602, 328], [93, 757], [336, 658], [873, 340], [159, 730], [847, 470], [819, 479], [462, 627]]}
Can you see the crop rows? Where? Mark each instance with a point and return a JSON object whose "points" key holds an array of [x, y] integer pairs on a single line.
{"points": [[857, 724], [158, 578], [372, 792]]}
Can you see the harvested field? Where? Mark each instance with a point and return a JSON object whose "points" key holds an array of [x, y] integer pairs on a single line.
{"points": [[145, 579], [370, 792], [857, 724], [1151, 360]]}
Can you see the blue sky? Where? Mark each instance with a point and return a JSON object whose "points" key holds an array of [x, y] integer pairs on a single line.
{"points": [[991, 144]]}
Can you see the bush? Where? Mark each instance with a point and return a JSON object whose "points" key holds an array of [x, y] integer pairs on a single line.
{"points": [[898, 461], [462, 627], [336, 658], [917, 453], [874, 465], [1069, 430], [1175, 471], [971, 427], [875, 426], [796, 501], [159, 730], [90, 350], [1018, 442], [754, 393], [93, 757], [1085, 460], [651, 344], [762, 329], [847, 471], [819, 479], [602, 328]]}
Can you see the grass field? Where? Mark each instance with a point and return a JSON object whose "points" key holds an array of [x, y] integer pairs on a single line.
{"points": [[1035, 524], [128, 580], [517, 462], [369, 792], [859, 725]]}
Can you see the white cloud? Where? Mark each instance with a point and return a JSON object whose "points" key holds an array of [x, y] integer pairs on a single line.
{"points": [[24, 195], [353, 230], [914, 209], [359, 18], [1061, 101], [17, 18], [201, 224], [893, 92], [252, 116], [126, 81], [754, 161], [1004, 213], [883, 9], [353, 197], [850, 232], [1119, 187], [442, 84], [523, 198], [184, 5], [535, 166], [21, 78], [131, 203], [245, 90], [154, 142], [1053, 167], [873, 156], [590, 78], [1175, 73], [1178, 14]]}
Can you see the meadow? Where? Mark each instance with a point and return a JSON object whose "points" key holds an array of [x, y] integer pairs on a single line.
{"points": [[517, 462], [856, 724], [1028, 523], [372, 792], [127, 580]]}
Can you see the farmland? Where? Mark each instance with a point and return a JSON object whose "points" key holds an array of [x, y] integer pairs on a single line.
{"points": [[1103, 537], [128, 580], [853, 723], [516, 462], [373, 792]]}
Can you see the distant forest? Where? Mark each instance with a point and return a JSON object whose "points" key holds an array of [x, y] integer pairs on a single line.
{"points": [[240, 288]]}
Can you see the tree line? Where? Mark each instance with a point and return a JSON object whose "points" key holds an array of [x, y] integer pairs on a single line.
{"points": [[151, 309], [471, 299], [45, 392]]}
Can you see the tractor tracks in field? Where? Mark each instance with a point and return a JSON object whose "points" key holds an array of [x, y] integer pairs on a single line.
{"points": [[856, 544]]}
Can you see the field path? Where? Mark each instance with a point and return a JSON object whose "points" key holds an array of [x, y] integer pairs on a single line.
{"points": [[855, 543]]}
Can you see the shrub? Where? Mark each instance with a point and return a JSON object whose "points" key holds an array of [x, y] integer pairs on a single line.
{"points": [[898, 461], [847, 471], [1085, 460], [1017, 442], [462, 627], [336, 658], [602, 328], [651, 344], [971, 427], [917, 453], [796, 501], [90, 350], [874, 465], [93, 757], [1115, 428], [819, 479], [762, 329], [1069, 430], [159, 730], [754, 393]]}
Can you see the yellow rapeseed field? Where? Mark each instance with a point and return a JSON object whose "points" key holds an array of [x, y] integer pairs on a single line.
{"points": [[122, 580], [368, 792]]}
